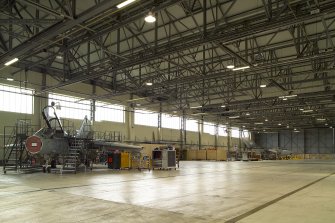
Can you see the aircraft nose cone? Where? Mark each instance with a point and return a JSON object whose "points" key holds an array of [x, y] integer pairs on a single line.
{"points": [[33, 144]]}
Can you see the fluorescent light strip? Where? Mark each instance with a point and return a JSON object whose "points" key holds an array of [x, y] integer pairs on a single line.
{"points": [[307, 111], [11, 61], [196, 106], [258, 123], [125, 3], [10, 79], [234, 116], [263, 85], [241, 68], [288, 96]]}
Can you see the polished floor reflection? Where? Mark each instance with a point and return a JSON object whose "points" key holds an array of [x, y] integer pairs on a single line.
{"points": [[276, 191]]}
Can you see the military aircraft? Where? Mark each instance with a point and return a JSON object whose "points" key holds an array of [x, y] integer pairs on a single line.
{"points": [[53, 143]]}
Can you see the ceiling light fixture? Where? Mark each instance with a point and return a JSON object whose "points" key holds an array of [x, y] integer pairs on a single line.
{"points": [[241, 68], [237, 116], [284, 99], [247, 113], [59, 57], [288, 96], [301, 109], [223, 106], [266, 120], [279, 123], [263, 85], [150, 18], [9, 79], [125, 3], [305, 111], [11, 61], [321, 119], [259, 123], [200, 106], [231, 66], [149, 83]]}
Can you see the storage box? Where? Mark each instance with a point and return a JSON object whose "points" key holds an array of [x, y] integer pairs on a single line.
{"points": [[201, 154], [211, 154], [221, 154]]}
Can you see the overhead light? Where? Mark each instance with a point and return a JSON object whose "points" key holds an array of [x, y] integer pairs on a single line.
{"points": [[11, 61], [247, 113], [321, 119], [263, 85], [287, 126], [125, 3], [149, 83], [263, 130], [295, 129], [200, 106], [331, 127], [279, 123], [241, 68], [230, 66], [223, 106], [259, 123], [301, 109], [243, 126], [266, 120], [326, 124], [237, 116], [284, 99], [310, 110], [9, 79], [150, 18], [59, 57], [288, 96]]}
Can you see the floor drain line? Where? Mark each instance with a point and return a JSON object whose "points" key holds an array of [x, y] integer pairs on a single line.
{"points": [[240, 217]]}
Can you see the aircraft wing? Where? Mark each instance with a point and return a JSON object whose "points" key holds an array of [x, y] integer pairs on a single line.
{"points": [[117, 145]]}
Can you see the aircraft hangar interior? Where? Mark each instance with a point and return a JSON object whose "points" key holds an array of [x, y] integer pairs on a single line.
{"points": [[167, 111]]}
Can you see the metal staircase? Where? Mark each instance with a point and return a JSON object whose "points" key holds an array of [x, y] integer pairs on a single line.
{"points": [[15, 156], [71, 160]]}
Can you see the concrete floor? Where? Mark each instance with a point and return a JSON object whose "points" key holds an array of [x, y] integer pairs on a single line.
{"points": [[276, 191]]}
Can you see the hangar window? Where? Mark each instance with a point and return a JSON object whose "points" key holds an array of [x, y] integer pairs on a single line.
{"points": [[192, 125], [245, 134], [235, 133], [223, 130], [109, 112], [15, 99], [70, 107], [209, 128], [170, 122], [148, 118]]}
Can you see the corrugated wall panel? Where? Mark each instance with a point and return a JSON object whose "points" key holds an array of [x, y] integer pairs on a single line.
{"points": [[326, 140], [308, 141], [311, 141]]}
